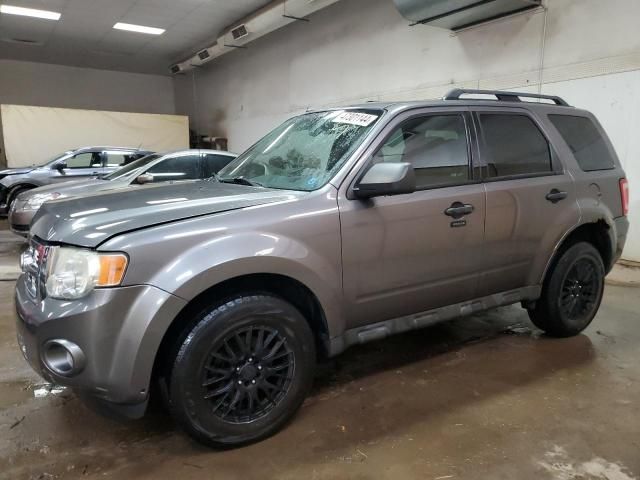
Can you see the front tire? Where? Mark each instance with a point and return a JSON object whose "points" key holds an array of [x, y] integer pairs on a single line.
{"points": [[572, 293], [242, 370]]}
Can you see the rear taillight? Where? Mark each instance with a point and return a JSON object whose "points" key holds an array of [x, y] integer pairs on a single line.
{"points": [[624, 195]]}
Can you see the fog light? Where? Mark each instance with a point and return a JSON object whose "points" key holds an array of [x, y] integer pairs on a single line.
{"points": [[63, 357]]}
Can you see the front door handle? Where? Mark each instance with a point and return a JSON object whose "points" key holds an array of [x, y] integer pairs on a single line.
{"points": [[458, 210], [555, 195]]}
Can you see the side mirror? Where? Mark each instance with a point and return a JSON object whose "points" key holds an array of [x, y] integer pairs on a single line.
{"points": [[144, 178], [60, 166], [386, 179]]}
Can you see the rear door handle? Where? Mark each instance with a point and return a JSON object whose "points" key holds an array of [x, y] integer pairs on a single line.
{"points": [[555, 195], [458, 210]]}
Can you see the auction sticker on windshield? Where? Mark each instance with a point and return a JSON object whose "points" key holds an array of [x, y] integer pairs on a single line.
{"points": [[356, 118]]}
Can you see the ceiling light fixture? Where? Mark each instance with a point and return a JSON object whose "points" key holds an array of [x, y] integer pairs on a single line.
{"points": [[139, 28], [29, 12]]}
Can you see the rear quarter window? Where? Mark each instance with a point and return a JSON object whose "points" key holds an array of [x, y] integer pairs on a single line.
{"points": [[585, 141]]}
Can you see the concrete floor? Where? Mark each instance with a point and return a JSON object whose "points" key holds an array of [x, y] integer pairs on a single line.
{"points": [[484, 397]]}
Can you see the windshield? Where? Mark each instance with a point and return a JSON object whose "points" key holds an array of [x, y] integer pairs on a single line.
{"points": [[305, 152], [141, 162]]}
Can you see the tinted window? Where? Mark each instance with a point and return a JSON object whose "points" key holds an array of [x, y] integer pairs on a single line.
{"points": [[436, 146], [514, 145], [85, 160], [213, 163], [585, 141], [176, 168]]}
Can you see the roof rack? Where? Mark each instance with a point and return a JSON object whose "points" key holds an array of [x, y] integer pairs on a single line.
{"points": [[503, 96]]}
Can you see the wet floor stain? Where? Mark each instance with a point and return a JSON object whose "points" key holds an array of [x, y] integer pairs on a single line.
{"points": [[485, 397]]}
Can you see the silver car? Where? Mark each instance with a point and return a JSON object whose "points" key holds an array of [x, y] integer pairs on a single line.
{"points": [[340, 227], [70, 165], [171, 166]]}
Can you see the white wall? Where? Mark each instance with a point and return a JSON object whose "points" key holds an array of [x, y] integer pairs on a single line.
{"points": [[358, 50], [46, 85]]}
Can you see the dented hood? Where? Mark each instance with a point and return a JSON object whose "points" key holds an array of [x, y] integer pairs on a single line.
{"points": [[89, 220]]}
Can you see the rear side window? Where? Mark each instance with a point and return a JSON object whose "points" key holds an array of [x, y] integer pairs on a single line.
{"points": [[585, 141], [514, 145]]}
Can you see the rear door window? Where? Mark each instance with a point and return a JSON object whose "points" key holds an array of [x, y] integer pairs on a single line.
{"points": [[513, 145], [117, 158], [585, 141]]}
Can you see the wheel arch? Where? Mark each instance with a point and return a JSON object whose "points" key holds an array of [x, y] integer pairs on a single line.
{"points": [[597, 232], [22, 185], [283, 286]]}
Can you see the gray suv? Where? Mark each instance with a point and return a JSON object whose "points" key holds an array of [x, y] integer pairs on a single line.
{"points": [[339, 227], [70, 165]]}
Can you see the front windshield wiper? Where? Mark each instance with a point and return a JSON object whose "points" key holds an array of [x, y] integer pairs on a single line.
{"points": [[239, 181]]}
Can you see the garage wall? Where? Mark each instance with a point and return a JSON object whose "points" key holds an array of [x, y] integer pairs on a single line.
{"points": [[46, 85], [358, 50]]}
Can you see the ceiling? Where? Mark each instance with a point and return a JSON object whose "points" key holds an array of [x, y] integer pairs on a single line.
{"points": [[84, 35]]}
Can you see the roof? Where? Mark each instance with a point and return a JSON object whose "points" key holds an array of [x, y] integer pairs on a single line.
{"points": [[107, 147], [454, 98]]}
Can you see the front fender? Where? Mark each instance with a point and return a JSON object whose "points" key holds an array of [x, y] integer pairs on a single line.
{"points": [[299, 240], [229, 257]]}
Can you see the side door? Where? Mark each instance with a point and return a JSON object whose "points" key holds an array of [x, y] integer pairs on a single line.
{"points": [[405, 254], [529, 196], [78, 166], [183, 166], [212, 163]]}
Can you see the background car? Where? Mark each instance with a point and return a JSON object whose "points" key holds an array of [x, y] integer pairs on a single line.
{"points": [[70, 165], [171, 166]]}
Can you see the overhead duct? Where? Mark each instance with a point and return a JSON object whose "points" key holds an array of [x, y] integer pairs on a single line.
{"points": [[266, 20], [458, 14]]}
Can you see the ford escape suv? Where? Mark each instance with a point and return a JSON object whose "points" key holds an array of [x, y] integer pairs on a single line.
{"points": [[339, 227]]}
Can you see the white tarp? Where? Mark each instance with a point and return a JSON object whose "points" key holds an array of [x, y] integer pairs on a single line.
{"points": [[33, 135]]}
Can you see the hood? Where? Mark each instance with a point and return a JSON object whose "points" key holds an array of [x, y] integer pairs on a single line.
{"points": [[70, 188], [89, 220], [15, 171]]}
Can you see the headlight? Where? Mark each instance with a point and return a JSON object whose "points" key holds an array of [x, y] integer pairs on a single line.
{"points": [[73, 272], [36, 201]]}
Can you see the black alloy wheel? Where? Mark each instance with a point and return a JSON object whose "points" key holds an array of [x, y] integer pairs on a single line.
{"points": [[240, 369], [248, 373]]}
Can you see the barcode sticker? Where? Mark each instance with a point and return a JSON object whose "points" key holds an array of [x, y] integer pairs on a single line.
{"points": [[356, 118]]}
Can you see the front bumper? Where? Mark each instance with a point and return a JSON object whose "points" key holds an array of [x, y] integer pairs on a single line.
{"points": [[118, 329]]}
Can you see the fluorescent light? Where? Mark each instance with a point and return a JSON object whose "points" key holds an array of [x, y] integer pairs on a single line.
{"points": [[138, 28], [29, 12]]}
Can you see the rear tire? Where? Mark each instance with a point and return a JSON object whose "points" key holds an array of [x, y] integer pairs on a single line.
{"points": [[572, 293], [241, 370]]}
